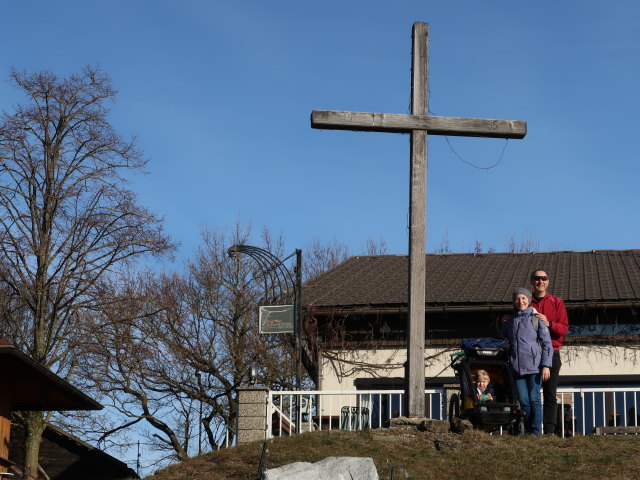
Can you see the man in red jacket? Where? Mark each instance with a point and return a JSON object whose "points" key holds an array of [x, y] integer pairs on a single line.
{"points": [[552, 312]]}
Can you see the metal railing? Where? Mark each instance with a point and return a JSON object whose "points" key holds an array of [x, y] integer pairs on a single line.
{"points": [[345, 410], [227, 437], [581, 410]]}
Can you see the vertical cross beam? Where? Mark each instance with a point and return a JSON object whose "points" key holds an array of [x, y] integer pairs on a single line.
{"points": [[417, 124], [417, 226]]}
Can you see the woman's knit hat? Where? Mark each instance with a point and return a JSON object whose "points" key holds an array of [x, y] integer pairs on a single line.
{"points": [[522, 291]]}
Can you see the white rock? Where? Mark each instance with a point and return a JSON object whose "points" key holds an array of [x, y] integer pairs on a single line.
{"points": [[331, 468]]}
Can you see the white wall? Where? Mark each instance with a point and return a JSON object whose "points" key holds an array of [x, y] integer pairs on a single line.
{"points": [[340, 369]]}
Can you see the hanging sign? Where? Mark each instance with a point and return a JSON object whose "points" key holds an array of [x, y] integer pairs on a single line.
{"points": [[276, 319]]}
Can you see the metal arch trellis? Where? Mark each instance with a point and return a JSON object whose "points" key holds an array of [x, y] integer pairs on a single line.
{"points": [[276, 274], [278, 281]]}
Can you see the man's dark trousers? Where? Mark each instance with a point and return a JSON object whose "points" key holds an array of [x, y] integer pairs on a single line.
{"points": [[549, 388]]}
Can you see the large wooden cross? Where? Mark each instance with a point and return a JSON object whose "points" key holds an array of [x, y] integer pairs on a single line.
{"points": [[418, 124]]}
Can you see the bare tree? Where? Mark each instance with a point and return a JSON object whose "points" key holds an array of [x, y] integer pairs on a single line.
{"points": [[67, 218], [173, 351], [320, 257], [478, 247], [525, 245], [126, 357], [444, 244], [375, 248], [173, 358]]}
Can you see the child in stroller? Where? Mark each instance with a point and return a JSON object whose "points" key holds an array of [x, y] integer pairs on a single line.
{"points": [[485, 366], [484, 390]]}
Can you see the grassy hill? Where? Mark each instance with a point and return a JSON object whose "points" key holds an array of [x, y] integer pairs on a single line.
{"points": [[473, 456]]}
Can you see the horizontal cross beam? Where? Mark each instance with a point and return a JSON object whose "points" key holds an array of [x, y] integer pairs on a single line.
{"points": [[398, 123]]}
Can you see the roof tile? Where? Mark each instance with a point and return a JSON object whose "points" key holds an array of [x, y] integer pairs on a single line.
{"points": [[467, 278]]}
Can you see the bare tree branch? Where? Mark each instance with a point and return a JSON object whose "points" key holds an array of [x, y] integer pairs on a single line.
{"points": [[67, 219]]}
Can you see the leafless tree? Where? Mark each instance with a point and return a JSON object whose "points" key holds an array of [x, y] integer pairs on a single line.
{"points": [[67, 218], [375, 248], [525, 245], [175, 356], [170, 355], [444, 244], [320, 257]]}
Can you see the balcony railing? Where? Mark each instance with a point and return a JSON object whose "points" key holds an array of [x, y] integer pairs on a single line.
{"points": [[581, 410], [345, 410]]}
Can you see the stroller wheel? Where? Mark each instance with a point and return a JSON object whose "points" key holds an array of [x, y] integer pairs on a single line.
{"points": [[521, 427], [516, 427]]}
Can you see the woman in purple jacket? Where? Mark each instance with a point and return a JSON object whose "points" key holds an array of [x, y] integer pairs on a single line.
{"points": [[530, 357]]}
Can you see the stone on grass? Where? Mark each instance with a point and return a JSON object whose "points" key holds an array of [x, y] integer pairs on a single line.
{"points": [[405, 422], [331, 468], [434, 426], [459, 425], [420, 423]]}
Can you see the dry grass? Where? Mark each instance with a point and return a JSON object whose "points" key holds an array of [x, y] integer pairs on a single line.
{"points": [[474, 455]]}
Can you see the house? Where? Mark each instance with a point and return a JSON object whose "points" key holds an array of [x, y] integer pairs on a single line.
{"points": [[355, 314], [65, 457], [29, 386]]}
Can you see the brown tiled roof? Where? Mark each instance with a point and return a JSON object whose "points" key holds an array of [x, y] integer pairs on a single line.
{"points": [[601, 276]]}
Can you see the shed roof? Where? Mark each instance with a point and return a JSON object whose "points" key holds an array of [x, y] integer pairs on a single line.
{"points": [[33, 387], [597, 276], [64, 456]]}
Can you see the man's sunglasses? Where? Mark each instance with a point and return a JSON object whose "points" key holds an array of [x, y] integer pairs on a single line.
{"points": [[541, 277]]}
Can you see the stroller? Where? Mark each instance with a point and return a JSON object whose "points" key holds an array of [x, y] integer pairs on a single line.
{"points": [[504, 410]]}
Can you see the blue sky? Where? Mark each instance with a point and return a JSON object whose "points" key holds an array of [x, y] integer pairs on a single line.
{"points": [[219, 96]]}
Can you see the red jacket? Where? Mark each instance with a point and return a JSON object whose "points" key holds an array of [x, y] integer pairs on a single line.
{"points": [[553, 308]]}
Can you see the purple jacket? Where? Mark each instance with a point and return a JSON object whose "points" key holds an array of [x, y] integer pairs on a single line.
{"points": [[529, 350]]}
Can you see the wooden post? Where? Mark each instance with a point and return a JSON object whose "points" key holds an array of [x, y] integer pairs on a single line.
{"points": [[418, 124], [417, 227]]}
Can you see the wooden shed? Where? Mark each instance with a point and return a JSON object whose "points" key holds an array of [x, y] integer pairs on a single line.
{"points": [[25, 385], [65, 457]]}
